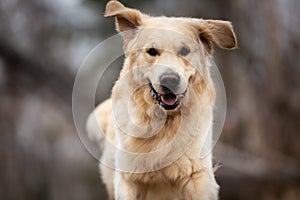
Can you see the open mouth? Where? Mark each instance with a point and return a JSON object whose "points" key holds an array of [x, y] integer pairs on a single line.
{"points": [[169, 100]]}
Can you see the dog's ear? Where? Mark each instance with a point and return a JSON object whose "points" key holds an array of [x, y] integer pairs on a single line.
{"points": [[127, 19], [215, 31]]}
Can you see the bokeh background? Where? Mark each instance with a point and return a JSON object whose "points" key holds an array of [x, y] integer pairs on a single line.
{"points": [[42, 44]]}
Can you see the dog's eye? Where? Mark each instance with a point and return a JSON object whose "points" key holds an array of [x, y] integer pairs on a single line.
{"points": [[184, 51], [153, 52]]}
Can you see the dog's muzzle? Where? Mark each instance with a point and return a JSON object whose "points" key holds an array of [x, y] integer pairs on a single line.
{"points": [[169, 100]]}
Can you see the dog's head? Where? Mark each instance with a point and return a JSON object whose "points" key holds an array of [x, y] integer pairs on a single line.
{"points": [[166, 53]]}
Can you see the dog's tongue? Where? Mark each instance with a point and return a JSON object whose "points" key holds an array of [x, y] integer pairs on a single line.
{"points": [[169, 99]]}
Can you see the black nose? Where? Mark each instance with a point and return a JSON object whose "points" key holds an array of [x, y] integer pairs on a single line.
{"points": [[169, 81]]}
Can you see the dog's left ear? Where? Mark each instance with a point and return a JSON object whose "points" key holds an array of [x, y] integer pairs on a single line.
{"points": [[127, 19], [218, 32]]}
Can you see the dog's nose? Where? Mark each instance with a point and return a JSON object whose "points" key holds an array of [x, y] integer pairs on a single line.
{"points": [[169, 81]]}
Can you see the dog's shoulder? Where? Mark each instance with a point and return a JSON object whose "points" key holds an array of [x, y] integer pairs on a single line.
{"points": [[98, 120]]}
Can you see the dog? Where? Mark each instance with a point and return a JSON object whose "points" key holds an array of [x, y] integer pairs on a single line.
{"points": [[159, 117]]}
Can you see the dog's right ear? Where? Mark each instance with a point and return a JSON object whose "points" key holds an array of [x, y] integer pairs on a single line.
{"points": [[127, 19]]}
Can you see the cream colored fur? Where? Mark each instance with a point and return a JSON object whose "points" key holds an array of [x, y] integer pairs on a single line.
{"points": [[132, 110]]}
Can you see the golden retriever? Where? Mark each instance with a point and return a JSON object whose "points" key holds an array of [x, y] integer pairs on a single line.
{"points": [[159, 117]]}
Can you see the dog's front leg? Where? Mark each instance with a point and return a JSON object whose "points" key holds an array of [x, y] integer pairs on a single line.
{"points": [[124, 189], [201, 186]]}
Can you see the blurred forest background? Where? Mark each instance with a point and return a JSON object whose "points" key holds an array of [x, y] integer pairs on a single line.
{"points": [[42, 44]]}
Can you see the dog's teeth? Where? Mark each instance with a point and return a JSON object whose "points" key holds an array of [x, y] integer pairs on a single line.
{"points": [[152, 93]]}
